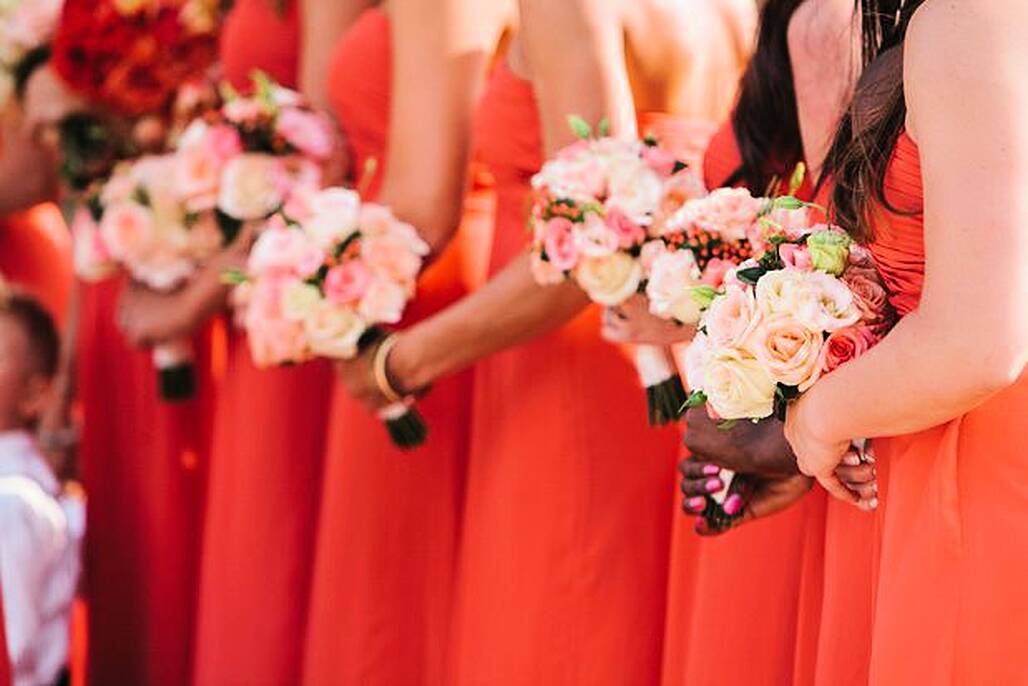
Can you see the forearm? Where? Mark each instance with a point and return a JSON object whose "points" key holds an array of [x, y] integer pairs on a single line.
{"points": [[509, 310], [916, 378]]}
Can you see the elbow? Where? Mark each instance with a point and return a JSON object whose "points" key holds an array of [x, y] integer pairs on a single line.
{"points": [[1004, 368]]}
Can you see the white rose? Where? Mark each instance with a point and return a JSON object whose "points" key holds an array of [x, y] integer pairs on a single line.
{"points": [[636, 190], [672, 277], [695, 361], [782, 292], [299, 301], [333, 331], [383, 302], [829, 305], [334, 216], [609, 280], [251, 186], [738, 386]]}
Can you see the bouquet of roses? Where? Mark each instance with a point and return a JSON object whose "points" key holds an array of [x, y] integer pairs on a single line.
{"points": [[323, 278], [128, 59], [243, 160], [595, 209], [26, 29], [811, 303]]}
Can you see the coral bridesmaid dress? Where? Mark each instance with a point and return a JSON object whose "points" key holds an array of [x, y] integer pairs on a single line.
{"points": [[951, 606], [144, 466], [35, 255], [381, 599], [742, 608], [266, 458], [564, 562]]}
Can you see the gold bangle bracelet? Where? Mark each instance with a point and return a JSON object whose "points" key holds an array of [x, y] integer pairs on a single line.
{"points": [[378, 367]]}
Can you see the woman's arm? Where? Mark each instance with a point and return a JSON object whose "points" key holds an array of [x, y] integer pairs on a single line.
{"points": [[512, 308], [969, 337]]}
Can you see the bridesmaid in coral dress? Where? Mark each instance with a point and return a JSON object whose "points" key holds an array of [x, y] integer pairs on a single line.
{"points": [[409, 74], [950, 604], [807, 565], [564, 561], [143, 464]]}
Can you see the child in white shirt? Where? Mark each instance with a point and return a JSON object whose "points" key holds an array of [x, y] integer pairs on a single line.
{"points": [[40, 531]]}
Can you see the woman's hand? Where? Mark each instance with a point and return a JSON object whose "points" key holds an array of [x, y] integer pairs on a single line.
{"points": [[358, 378], [631, 322], [751, 497], [752, 448], [816, 456]]}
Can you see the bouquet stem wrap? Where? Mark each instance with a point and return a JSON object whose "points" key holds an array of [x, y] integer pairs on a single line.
{"points": [[665, 393], [176, 375]]}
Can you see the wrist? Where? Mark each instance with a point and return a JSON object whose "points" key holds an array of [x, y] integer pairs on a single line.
{"points": [[403, 367]]}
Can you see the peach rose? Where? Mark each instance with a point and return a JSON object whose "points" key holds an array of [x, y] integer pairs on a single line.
{"points": [[284, 250], [128, 230], [738, 386], [845, 345], [383, 302], [202, 154], [609, 280], [391, 257], [788, 350], [715, 271], [726, 212], [732, 318]]}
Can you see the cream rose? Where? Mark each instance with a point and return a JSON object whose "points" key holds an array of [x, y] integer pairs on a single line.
{"points": [[333, 331], [669, 289], [788, 350], [609, 280], [738, 386], [828, 304], [251, 186], [299, 300]]}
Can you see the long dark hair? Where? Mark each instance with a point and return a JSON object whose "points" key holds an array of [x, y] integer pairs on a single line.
{"points": [[765, 121], [872, 124]]}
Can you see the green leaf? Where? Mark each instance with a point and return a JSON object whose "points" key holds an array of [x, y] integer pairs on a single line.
{"points": [[702, 295], [695, 399], [679, 166], [796, 180], [727, 425], [603, 128], [580, 127], [787, 202], [234, 277], [750, 275]]}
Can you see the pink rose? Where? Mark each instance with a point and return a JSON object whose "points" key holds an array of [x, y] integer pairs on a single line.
{"points": [[660, 159], [727, 212], [649, 253], [628, 233], [861, 257], [332, 215], [680, 189], [285, 251], [306, 131], [347, 283], [732, 318], [788, 350], [845, 345], [715, 271], [594, 238], [383, 302], [796, 256], [560, 245], [128, 231]]}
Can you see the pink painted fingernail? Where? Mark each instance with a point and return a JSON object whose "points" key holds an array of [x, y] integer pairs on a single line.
{"points": [[733, 504], [714, 485], [711, 470], [697, 503]]}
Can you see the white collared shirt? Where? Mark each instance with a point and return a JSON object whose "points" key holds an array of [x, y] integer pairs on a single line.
{"points": [[40, 541]]}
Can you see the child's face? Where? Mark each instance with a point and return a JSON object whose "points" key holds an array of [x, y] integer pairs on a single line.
{"points": [[22, 389]]}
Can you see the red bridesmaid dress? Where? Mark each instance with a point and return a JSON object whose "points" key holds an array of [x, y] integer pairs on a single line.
{"points": [[564, 560], [35, 255], [381, 598], [950, 602], [742, 607], [266, 456]]}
